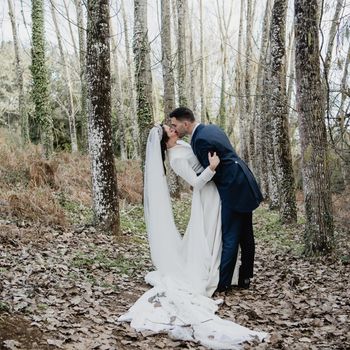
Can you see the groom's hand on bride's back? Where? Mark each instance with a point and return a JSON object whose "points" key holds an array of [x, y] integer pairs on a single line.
{"points": [[214, 160]]}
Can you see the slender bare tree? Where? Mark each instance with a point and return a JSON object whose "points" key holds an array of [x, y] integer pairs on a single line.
{"points": [[249, 129], [240, 88], [343, 117], [132, 108], [181, 52], [339, 127], [70, 26], [279, 114], [332, 34], [19, 78], [118, 100], [260, 169], [167, 67], [267, 130], [202, 62], [71, 109], [319, 230], [191, 71], [291, 72], [82, 71], [143, 76], [169, 83], [224, 25]]}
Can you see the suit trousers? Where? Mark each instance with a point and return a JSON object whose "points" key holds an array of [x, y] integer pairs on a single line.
{"points": [[237, 231]]}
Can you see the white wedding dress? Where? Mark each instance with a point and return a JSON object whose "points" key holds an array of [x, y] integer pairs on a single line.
{"points": [[187, 269], [201, 244]]}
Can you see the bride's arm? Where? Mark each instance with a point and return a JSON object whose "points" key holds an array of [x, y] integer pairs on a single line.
{"points": [[182, 168]]}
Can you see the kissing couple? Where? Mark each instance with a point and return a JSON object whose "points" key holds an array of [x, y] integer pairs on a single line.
{"points": [[191, 268]]}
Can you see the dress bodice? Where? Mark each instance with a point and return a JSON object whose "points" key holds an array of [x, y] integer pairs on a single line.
{"points": [[184, 150]]}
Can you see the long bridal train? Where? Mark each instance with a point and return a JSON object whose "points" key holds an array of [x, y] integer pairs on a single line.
{"points": [[187, 270], [169, 307]]}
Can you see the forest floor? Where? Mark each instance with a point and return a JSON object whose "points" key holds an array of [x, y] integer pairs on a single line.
{"points": [[63, 285], [65, 288]]}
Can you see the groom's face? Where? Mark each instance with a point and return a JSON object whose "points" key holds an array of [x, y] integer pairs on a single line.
{"points": [[180, 127]]}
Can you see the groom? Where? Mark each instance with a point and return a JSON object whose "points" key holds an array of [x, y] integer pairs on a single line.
{"points": [[238, 189]]}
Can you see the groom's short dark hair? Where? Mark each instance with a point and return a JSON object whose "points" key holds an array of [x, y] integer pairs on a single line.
{"points": [[182, 114]]}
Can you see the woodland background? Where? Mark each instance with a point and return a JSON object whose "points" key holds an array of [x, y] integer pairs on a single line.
{"points": [[82, 82]]}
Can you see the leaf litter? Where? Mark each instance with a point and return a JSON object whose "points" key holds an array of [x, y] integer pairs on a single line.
{"points": [[65, 289]]}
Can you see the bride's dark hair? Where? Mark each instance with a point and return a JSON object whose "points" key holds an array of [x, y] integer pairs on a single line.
{"points": [[163, 147]]}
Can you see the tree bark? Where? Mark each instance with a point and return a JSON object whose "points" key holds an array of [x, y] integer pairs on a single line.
{"points": [[167, 68], [19, 79], [248, 154], [342, 115], [82, 64], [291, 73], [169, 83], [70, 28], [40, 90], [224, 28], [121, 136], [267, 130], [319, 234], [104, 183], [143, 77], [191, 62], [70, 109], [181, 52], [332, 34], [202, 62], [260, 169], [132, 110], [240, 76], [279, 114]]}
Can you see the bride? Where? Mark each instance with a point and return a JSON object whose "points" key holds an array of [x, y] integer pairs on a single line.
{"points": [[187, 269]]}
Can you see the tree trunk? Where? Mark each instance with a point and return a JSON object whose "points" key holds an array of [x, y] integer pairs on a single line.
{"points": [[40, 90], [319, 234], [19, 79], [132, 110], [267, 131], [174, 23], [279, 114], [240, 90], [168, 76], [343, 112], [224, 28], [70, 28], [143, 77], [82, 64], [192, 65], [118, 102], [332, 34], [181, 52], [222, 108], [291, 73], [169, 84], [249, 150], [260, 168], [104, 183], [70, 109], [202, 85]]}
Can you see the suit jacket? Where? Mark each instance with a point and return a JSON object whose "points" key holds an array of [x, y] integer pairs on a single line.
{"points": [[236, 184]]}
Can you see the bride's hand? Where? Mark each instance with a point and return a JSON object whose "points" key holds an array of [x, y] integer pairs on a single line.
{"points": [[214, 161]]}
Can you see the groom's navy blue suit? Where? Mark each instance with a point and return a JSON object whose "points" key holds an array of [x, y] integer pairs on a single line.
{"points": [[240, 195]]}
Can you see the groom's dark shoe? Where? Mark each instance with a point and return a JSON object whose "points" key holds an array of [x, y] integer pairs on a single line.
{"points": [[221, 290], [243, 283]]}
